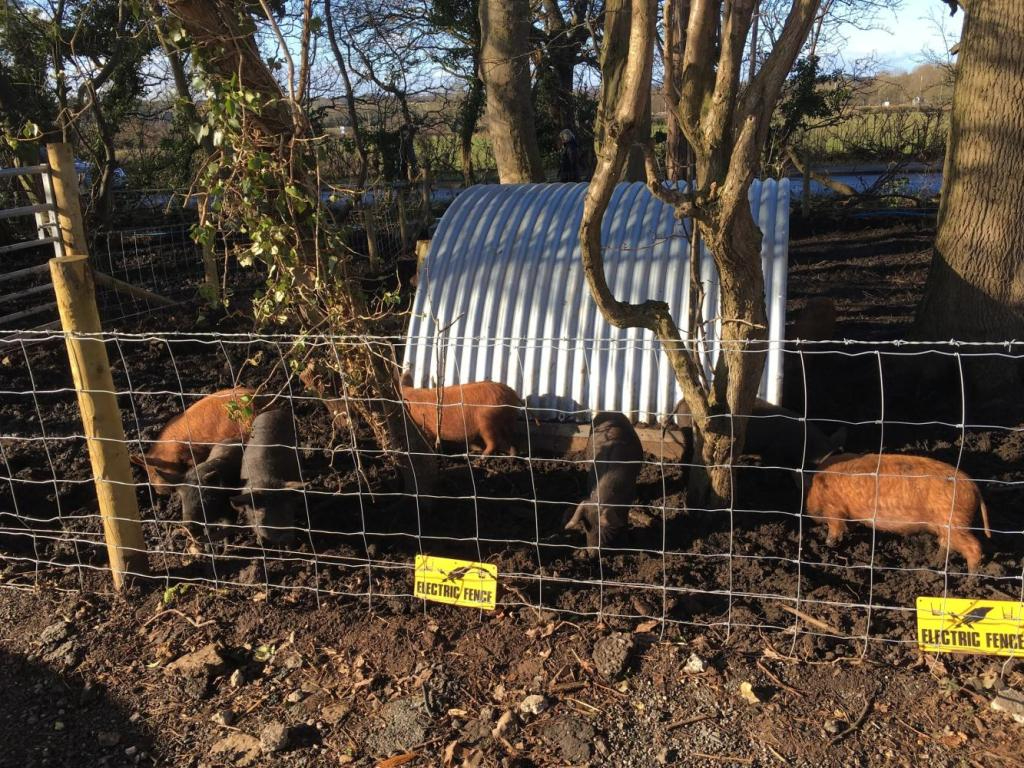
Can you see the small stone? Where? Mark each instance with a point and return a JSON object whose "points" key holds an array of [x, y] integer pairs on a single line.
{"points": [[66, 654], [290, 660], [130, 751], [135, 717], [238, 749], [611, 654], [274, 738], [295, 697], [533, 704], [695, 665], [237, 679], [108, 738], [833, 727], [665, 756], [499, 692], [59, 725], [1011, 702], [346, 760], [208, 660], [224, 717], [602, 746], [334, 713]]}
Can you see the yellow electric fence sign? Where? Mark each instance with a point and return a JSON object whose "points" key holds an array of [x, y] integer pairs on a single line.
{"points": [[970, 626], [456, 582]]}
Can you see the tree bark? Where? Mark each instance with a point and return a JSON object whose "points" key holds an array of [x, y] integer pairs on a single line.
{"points": [[975, 289], [504, 68], [469, 115], [614, 53]]}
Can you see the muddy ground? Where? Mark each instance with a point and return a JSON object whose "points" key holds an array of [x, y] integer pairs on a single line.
{"points": [[319, 650]]}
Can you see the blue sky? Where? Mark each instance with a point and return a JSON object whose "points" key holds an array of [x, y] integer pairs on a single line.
{"points": [[903, 35]]}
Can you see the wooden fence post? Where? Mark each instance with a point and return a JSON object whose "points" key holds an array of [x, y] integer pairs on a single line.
{"points": [[90, 368], [65, 192]]}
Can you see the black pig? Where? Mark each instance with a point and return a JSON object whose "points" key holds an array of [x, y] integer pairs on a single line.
{"points": [[270, 469], [617, 456], [209, 486]]}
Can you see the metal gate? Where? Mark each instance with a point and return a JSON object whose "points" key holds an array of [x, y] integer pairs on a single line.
{"points": [[26, 294]]}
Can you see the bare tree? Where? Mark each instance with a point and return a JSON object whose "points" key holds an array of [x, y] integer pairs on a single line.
{"points": [[505, 70], [726, 126]]}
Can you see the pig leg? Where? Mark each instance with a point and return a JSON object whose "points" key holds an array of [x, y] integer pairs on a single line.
{"points": [[964, 543], [585, 520], [613, 521], [836, 531]]}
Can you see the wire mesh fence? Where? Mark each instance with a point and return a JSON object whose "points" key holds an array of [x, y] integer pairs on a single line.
{"points": [[314, 503]]}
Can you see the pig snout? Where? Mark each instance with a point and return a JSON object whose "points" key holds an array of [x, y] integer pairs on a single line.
{"points": [[602, 525], [269, 512]]}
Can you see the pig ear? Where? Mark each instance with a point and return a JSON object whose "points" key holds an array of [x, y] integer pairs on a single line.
{"points": [[137, 460], [209, 477], [838, 440], [171, 476]]}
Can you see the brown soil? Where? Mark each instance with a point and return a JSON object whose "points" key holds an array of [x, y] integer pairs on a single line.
{"points": [[337, 651]]}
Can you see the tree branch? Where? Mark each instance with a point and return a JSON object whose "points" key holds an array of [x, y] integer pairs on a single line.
{"points": [[652, 315]]}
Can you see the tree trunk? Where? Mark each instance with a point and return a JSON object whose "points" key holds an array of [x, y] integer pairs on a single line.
{"points": [[561, 51], [975, 289], [614, 52], [505, 69], [677, 150], [735, 241]]}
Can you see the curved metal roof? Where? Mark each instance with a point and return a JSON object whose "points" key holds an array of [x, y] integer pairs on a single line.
{"points": [[502, 296]]}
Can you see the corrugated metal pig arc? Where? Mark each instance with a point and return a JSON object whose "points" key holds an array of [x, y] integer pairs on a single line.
{"points": [[503, 276]]}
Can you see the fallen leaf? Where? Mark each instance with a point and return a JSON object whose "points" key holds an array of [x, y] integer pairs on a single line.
{"points": [[748, 694], [448, 757], [473, 760], [455, 712], [952, 739], [647, 626], [393, 762], [935, 666]]}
